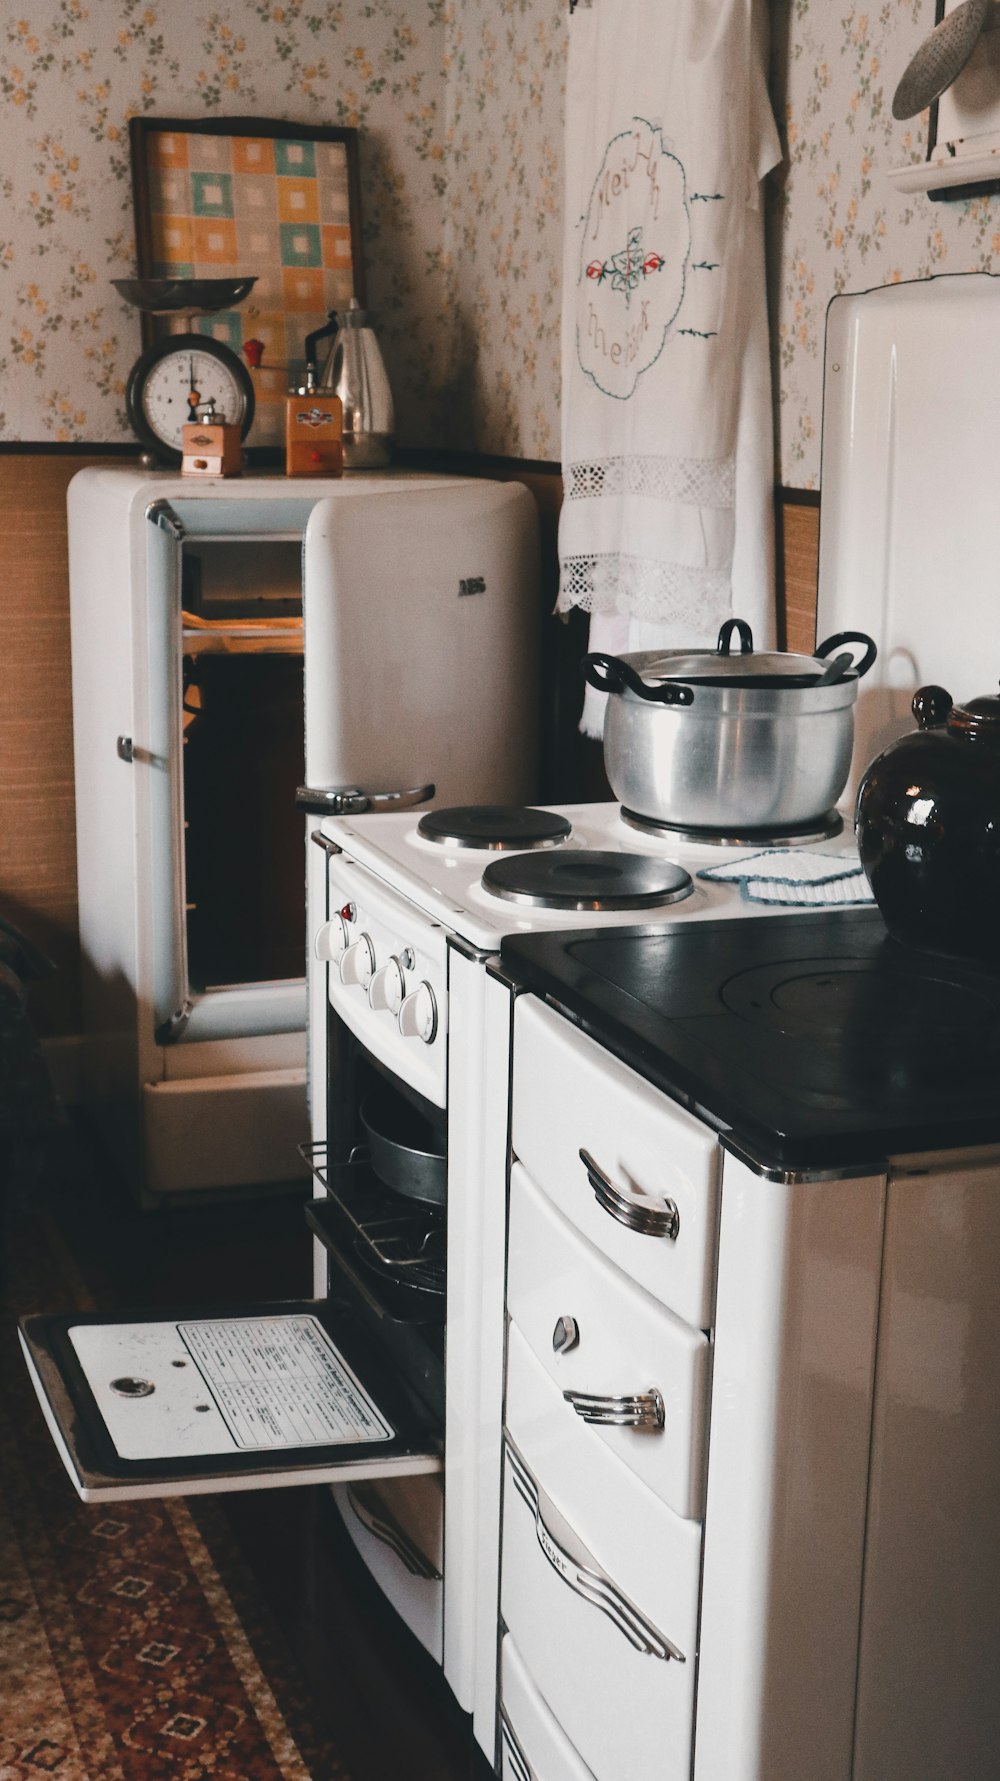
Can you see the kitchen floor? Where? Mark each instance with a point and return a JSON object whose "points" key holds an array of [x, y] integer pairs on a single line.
{"points": [[371, 1688]]}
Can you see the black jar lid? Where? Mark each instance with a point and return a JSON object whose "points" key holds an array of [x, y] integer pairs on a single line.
{"points": [[978, 720]]}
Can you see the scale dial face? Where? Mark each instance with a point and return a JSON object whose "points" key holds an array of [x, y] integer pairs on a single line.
{"points": [[166, 375]]}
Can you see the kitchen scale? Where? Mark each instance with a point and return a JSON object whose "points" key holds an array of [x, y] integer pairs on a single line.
{"points": [[179, 373]]}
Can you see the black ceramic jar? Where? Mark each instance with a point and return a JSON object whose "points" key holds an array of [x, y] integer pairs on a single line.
{"points": [[928, 827]]}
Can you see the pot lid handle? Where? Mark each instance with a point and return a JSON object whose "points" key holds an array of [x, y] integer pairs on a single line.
{"points": [[725, 643], [610, 674], [837, 641]]}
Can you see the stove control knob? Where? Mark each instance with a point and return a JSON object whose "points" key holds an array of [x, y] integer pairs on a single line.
{"points": [[331, 940], [358, 962], [387, 989], [418, 1015]]}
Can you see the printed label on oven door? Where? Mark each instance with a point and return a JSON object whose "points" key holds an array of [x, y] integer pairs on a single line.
{"points": [[280, 1382]]}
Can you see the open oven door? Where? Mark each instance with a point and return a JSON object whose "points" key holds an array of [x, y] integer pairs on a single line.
{"points": [[196, 1403]]}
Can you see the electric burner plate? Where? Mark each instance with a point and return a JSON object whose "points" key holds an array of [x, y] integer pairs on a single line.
{"points": [[594, 879], [494, 827], [824, 828], [842, 996]]}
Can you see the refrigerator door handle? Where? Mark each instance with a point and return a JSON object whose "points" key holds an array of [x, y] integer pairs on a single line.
{"points": [[354, 800], [160, 513]]}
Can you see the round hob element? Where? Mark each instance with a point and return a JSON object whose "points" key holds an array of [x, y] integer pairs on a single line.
{"points": [[590, 879], [820, 997], [823, 829], [494, 826]]}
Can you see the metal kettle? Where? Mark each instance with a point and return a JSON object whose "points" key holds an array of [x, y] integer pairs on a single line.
{"points": [[355, 371]]}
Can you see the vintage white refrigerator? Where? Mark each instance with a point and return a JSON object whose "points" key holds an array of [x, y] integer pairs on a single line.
{"points": [[400, 614]]}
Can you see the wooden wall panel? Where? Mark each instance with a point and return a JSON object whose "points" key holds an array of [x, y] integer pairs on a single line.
{"points": [[37, 830], [798, 563]]}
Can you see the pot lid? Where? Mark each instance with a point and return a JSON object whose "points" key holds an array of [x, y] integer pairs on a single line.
{"points": [[746, 666]]}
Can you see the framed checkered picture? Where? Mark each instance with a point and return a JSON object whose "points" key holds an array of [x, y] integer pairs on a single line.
{"points": [[227, 197]]}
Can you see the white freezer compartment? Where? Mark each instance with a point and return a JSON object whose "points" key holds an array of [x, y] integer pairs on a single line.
{"points": [[397, 1526], [533, 1747], [647, 1191], [236, 1398], [605, 1619], [629, 1368]]}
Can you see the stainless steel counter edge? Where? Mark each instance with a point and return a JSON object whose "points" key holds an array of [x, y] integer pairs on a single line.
{"points": [[795, 1177]]}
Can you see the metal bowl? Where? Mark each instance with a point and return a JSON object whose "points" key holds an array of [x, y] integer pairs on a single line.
{"points": [[173, 296]]}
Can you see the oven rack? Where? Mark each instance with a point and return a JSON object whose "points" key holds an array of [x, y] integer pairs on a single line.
{"points": [[406, 1241]]}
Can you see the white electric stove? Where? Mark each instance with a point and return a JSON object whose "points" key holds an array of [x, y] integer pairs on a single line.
{"points": [[418, 906], [445, 877], [906, 545]]}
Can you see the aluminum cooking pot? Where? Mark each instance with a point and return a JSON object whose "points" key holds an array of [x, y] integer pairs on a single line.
{"points": [[729, 741]]}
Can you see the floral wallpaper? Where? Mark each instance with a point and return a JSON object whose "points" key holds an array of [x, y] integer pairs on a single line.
{"points": [[459, 104], [72, 72], [835, 224], [459, 107], [503, 220]]}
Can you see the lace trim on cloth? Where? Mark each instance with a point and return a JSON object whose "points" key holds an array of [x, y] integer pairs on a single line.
{"points": [[695, 482], [645, 588]]}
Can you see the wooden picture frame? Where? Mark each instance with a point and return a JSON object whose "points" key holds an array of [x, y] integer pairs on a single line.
{"points": [[221, 197]]}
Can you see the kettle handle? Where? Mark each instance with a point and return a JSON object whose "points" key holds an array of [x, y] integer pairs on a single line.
{"points": [[840, 637], [332, 324], [609, 674]]}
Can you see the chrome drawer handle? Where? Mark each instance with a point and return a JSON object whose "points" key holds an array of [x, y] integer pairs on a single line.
{"points": [[643, 1410], [376, 1519], [650, 1221], [520, 1766], [575, 1565]]}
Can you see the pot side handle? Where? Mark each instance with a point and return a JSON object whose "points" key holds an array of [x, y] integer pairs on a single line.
{"points": [[840, 637], [609, 674]]}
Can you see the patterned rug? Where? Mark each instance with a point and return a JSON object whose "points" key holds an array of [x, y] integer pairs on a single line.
{"points": [[134, 1645]]}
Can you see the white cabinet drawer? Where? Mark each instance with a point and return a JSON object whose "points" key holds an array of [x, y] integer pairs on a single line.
{"points": [[625, 1350], [599, 1587], [661, 1165], [533, 1747], [397, 1526]]}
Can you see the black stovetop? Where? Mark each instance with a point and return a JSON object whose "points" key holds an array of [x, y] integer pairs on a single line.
{"points": [[818, 1041]]}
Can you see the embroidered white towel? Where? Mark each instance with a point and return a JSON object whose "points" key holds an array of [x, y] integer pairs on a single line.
{"points": [[666, 417]]}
